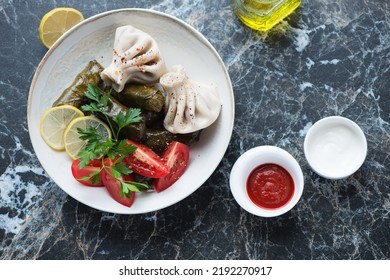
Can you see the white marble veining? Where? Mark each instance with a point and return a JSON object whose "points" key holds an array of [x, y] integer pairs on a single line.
{"points": [[329, 58]]}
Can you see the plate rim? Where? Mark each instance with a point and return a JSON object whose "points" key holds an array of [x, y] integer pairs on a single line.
{"points": [[97, 16]]}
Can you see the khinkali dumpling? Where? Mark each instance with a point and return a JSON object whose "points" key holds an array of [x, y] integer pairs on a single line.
{"points": [[190, 105], [136, 59]]}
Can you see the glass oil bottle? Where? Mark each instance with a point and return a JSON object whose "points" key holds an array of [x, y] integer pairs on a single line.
{"points": [[262, 15]]}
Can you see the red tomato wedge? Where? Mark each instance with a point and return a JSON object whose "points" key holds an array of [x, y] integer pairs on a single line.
{"points": [[79, 173], [113, 186], [145, 162], [176, 158]]}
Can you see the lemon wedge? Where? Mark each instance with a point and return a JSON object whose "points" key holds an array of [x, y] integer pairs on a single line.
{"points": [[54, 122], [57, 22], [73, 143]]}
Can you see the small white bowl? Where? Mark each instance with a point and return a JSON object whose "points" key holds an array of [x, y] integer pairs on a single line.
{"points": [[335, 147], [253, 158]]}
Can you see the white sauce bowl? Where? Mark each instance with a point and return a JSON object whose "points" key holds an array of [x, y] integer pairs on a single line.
{"points": [[253, 158], [335, 147]]}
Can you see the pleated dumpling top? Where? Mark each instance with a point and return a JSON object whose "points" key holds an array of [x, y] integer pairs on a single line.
{"points": [[136, 58], [190, 105]]}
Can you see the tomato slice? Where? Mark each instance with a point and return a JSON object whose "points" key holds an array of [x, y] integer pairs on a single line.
{"points": [[145, 162], [113, 186], [176, 158], [79, 173]]}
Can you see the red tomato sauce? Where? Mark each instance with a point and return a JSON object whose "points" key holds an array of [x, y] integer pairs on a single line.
{"points": [[270, 186]]}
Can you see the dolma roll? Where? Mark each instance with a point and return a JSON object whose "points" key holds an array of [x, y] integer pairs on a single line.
{"points": [[74, 94], [141, 96], [159, 138], [134, 131], [153, 119]]}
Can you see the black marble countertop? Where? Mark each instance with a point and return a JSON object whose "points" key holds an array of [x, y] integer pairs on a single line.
{"points": [[329, 58]]}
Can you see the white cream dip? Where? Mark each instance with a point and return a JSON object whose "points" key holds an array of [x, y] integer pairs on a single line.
{"points": [[335, 147]]}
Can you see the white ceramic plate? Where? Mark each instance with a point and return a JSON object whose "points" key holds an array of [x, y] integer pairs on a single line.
{"points": [[93, 39]]}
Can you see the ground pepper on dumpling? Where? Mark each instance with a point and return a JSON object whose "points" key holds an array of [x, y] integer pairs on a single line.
{"points": [[190, 105], [136, 58]]}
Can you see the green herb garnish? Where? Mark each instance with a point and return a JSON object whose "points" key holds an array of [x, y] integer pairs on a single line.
{"points": [[100, 147]]}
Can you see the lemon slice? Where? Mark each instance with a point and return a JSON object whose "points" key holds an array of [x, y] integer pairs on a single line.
{"points": [[73, 143], [54, 122], [57, 22]]}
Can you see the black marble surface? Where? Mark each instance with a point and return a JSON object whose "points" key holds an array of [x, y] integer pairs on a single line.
{"points": [[329, 58]]}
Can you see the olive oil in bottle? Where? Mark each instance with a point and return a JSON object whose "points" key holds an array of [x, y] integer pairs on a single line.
{"points": [[263, 14]]}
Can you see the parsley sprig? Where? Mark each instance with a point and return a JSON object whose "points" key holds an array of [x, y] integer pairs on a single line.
{"points": [[98, 146]]}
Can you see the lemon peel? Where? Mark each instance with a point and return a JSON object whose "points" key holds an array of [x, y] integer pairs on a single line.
{"points": [[56, 22]]}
